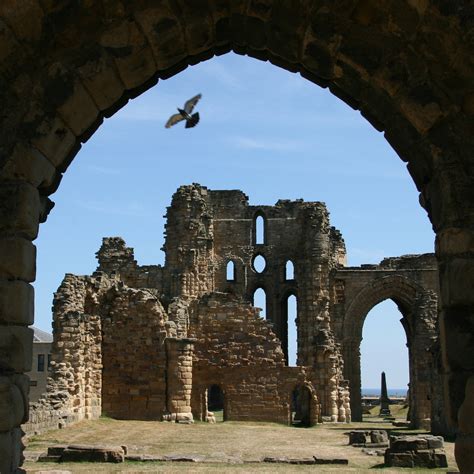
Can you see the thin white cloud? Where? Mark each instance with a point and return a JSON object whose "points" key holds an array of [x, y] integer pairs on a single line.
{"points": [[132, 209], [222, 74], [267, 144]]}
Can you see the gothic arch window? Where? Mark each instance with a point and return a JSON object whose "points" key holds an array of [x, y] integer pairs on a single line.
{"points": [[289, 271], [230, 271], [291, 315], [259, 229], [260, 301]]}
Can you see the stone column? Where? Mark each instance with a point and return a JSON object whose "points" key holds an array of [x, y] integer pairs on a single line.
{"points": [[179, 379], [455, 252], [352, 373], [19, 219]]}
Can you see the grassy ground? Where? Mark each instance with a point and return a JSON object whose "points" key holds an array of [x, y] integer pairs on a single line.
{"points": [[221, 442]]}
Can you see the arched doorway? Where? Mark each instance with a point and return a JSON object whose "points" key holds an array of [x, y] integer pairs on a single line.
{"points": [[216, 402], [419, 309], [98, 59], [301, 406], [384, 349]]}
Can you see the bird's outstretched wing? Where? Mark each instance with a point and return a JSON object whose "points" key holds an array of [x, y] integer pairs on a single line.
{"points": [[189, 105], [174, 119]]}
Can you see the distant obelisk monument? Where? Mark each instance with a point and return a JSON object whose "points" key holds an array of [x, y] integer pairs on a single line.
{"points": [[384, 400]]}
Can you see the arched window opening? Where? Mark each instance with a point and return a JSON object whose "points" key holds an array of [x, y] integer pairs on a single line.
{"points": [[300, 404], [215, 402], [230, 271], [259, 263], [291, 315], [259, 230], [260, 301], [289, 270], [380, 353]]}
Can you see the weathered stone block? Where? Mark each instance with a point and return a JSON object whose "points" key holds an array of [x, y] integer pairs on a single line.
{"points": [[454, 241], [19, 209], [55, 140], [400, 444], [436, 442], [16, 302], [84, 453], [398, 459], [16, 343], [138, 65], [357, 437], [11, 450], [458, 284], [18, 259], [378, 436], [73, 102], [102, 82], [439, 460], [28, 164], [12, 405]]}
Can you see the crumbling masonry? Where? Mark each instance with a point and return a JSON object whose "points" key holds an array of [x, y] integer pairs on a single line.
{"points": [[148, 342]]}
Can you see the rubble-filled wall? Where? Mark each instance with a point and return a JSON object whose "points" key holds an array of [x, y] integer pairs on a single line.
{"points": [[133, 354], [412, 283], [238, 351], [74, 386]]}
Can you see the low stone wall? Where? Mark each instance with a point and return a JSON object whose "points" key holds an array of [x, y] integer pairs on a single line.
{"points": [[258, 393], [416, 451]]}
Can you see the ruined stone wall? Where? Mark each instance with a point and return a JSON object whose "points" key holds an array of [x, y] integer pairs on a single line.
{"points": [[189, 243], [74, 386], [208, 229], [108, 354], [115, 257], [238, 350], [134, 355]]}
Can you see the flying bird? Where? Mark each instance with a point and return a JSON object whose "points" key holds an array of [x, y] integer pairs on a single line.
{"points": [[185, 114]]}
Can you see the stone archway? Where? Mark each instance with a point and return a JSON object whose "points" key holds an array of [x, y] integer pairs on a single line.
{"points": [[65, 66], [419, 309]]}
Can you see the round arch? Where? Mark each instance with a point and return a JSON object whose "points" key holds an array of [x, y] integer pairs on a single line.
{"points": [[419, 317], [68, 65]]}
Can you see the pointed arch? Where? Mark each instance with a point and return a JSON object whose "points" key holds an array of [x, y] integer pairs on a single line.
{"points": [[230, 270], [259, 300], [289, 270], [259, 229]]}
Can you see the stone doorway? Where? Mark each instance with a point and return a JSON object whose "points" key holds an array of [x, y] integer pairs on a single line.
{"points": [[300, 406], [216, 402]]}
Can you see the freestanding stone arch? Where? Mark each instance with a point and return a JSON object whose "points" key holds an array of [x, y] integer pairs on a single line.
{"points": [[415, 293], [65, 66]]}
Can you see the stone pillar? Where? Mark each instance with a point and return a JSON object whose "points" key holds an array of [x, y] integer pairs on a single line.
{"points": [[179, 379], [19, 219], [463, 450], [455, 252], [352, 373], [384, 400]]}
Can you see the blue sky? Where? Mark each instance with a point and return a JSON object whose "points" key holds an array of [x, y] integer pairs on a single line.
{"points": [[263, 130]]}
